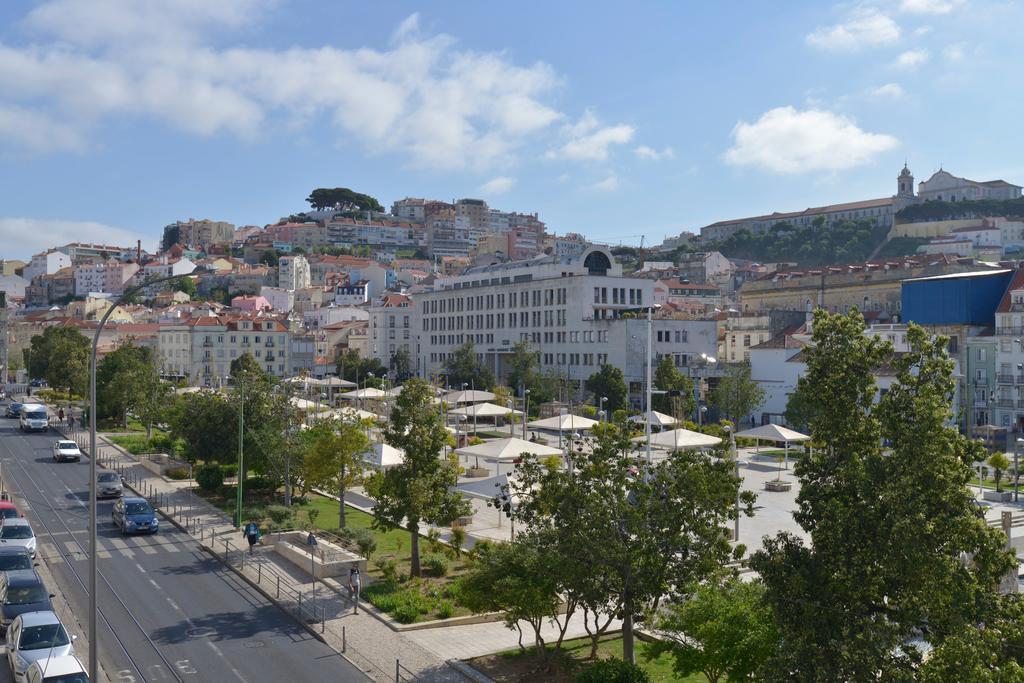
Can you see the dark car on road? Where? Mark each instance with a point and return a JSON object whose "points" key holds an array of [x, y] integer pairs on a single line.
{"points": [[22, 591], [14, 409], [37, 383], [13, 558], [134, 515]]}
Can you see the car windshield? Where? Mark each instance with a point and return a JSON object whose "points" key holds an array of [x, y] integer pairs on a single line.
{"points": [[107, 477], [11, 561], [8, 513], [67, 678], [138, 509], [67, 445], [8, 531], [44, 636], [24, 595]]}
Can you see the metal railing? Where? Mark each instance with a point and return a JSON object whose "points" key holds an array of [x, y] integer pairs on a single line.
{"points": [[1004, 378]]}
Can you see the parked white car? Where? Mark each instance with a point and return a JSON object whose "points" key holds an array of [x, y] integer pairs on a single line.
{"points": [[66, 450], [66, 669], [17, 531], [35, 636]]}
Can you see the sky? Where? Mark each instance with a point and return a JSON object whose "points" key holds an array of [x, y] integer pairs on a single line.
{"points": [[617, 121]]}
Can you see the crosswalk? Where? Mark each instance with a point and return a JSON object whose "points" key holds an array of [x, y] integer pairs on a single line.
{"points": [[128, 546]]}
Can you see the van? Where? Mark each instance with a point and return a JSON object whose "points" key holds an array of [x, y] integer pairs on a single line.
{"points": [[34, 418]]}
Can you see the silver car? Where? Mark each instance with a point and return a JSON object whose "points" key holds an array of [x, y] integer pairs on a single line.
{"points": [[36, 636], [108, 485], [17, 531]]}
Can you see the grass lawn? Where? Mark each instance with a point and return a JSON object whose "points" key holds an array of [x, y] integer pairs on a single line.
{"points": [[794, 454], [516, 665], [134, 425]]}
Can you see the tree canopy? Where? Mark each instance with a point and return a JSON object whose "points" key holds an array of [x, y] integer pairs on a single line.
{"points": [[680, 403], [326, 198], [60, 355], [737, 394], [335, 459], [355, 368], [127, 379], [463, 367], [944, 211], [610, 383]]}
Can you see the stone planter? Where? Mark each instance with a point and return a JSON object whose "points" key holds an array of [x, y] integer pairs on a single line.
{"points": [[475, 472], [462, 522], [778, 485], [998, 496]]}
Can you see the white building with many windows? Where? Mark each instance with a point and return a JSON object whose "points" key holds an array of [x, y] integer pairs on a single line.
{"points": [[200, 350]]}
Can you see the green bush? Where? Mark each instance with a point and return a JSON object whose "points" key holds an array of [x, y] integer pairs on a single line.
{"points": [[435, 564], [406, 613], [387, 568], [210, 477], [228, 471], [613, 671], [365, 541], [445, 609], [281, 515], [177, 473], [261, 483]]}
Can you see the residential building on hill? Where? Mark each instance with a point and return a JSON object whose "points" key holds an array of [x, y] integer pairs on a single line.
{"points": [[108, 277], [391, 329], [943, 186], [202, 233], [201, 349], [293, 272], [46, 263]]}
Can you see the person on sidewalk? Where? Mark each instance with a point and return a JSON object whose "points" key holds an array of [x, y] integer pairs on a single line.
{"points": [[71, 422], [252, 534], [60, 417], [354, 584]]}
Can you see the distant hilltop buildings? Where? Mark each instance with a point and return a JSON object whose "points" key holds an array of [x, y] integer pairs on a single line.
{"points": [[941, 186]]}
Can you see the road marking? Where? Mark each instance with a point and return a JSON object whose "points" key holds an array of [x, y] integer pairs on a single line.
{"points": [[139, 566], [122, 547], [47, 550], [75, 497], [144, 543], [74, 549]]}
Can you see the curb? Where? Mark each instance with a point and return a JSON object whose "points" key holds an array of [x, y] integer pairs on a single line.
{"points": [[469, 672]]}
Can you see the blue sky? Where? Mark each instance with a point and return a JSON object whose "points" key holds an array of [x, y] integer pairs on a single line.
{"points": [[117, 118]]}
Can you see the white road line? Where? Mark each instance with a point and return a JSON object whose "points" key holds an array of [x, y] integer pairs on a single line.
{"points": [[139, 567], [75, 497], [122, 547], [213, 646], [74, 550], [144, 543], [47, 549]]}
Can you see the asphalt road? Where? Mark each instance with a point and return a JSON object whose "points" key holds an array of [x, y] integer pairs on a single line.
{"points": [[168, 611]]}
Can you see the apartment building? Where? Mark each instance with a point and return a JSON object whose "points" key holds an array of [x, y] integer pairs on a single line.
{"points": [[108, 277], [391, 328], [578, 313], [293, 272], [201, 349], [203, 233], [380, 235], [81, 252], [46, 263], [307, 236]]}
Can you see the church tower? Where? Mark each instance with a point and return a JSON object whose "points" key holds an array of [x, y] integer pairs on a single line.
{"points": [[905, 184]]}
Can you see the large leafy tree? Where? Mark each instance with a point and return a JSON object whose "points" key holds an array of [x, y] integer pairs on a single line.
{"points": [[206, 421], [992, 652], [60, 355], [525, 373], [720, 630], [678, 400], [737, 394], [636, 531], [418, 491], [326, 198], [890, 530], [335, 460], [463, 367], [401, 365], [127, 379], [609, 382], [355, 368]]}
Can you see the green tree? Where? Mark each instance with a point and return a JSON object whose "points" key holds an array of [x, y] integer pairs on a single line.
{"points": [[636, 531], [335, 460], [206, 422], [463, 367], [326, 198], [418, 491], [355, 368], [801, 408], [721, 631], [523, 367], [609, 382], [171, 236], [60, 355], [888, 530], [184, 284], [992, 652], [126, 380], [401, 365], [737, 395], [668, 378], [999, 464]]}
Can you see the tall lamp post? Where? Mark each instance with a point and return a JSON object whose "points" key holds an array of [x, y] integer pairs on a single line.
{"points": [[93, 569], [601, 407], [526, 410], [1016, 471]]}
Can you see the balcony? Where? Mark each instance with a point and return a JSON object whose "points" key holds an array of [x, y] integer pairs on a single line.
{"points": [[1003, 331], [207, 344], [269, 344], [1020, 402], [1006, 378], [1005, 403]]}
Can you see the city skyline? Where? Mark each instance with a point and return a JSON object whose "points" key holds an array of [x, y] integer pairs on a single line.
{"points": [[677, 128]]}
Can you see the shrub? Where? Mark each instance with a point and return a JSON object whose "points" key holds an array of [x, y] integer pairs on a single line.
{"points": [[177, 473], [228, 471], [406, 613], [210, 477], [387, 568], [365, 541], [553, 463], [435, 564], [281, 515], [474, 441], [613, 671], [445, 609]]}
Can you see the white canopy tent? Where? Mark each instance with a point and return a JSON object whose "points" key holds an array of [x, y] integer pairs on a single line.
{"points": [[660, 420], [470, 396], [353, 414], [382, 456], [565, 423], [506, 450], [371, 393], [676, 439], [307, 405], [484, 410], [777, 434]]}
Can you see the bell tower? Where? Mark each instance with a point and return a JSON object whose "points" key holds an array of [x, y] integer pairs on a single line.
{"points": [[905, 183]]}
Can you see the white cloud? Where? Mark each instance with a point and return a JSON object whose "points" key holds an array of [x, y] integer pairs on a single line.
{"points": [[911, 59], [645, 152], [929, 6], [954, 53], [589, 140], [785, 140], [23, 237], [424, 97], [863, 28], [889, 90], [609, 184], [499, 185]]}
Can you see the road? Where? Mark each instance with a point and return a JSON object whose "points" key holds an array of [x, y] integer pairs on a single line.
{"points": [[168, 610]]}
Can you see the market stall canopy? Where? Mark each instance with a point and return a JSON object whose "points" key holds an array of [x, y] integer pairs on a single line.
{"points": [[565, 423], [657, 419], [484, 410], [773, 432], [680, 438], [471, 396], [305, 404], [383, 456], [332, 382], [353, 414], [507, 449], [368, 393]]}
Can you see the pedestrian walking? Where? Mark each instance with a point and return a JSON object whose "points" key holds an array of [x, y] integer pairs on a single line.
{"points": [[252, 534], [354, 584], [71, 421], [60, 417]]}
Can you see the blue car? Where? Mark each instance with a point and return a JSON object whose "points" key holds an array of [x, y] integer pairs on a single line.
{"points": [[14, 409], [134, 515]]}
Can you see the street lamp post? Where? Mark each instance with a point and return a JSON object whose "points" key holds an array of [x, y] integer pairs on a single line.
{"points": [[601, 406], [1016, 472], [526, 409], [239, 477], [93, 548]]}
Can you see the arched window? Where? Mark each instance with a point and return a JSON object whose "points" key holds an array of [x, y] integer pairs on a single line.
{"points": [[597, 263]]}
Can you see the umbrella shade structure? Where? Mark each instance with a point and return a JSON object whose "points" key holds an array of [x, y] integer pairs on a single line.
{"points": [[676, 439], [773, 432], [507, 450], [367, 393], [307, 405], [470, 396], [565, 423], [657, 419], [353, 414], [336, 382], [484, 410], [382, 456]]}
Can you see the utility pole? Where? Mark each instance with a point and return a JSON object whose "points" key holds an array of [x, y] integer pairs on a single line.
{"points": [[647, 404]]}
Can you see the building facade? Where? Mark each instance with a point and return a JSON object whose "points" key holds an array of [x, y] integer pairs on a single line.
{"points": [[201, 349], [293, 272]]}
